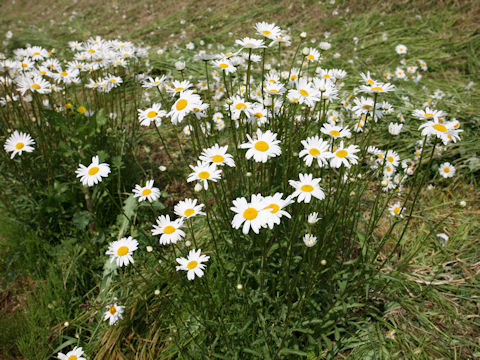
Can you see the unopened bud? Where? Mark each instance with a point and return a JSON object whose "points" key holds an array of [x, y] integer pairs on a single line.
{"points": [[305, 51], [180, 65], [198, 187], [323, 262], [303, 35], [149, 249]]}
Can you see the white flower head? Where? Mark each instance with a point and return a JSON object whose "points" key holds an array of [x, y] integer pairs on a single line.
{"points": [[263, 147], [306, 188], [147, 192], [170, 231], [193, 264], [93, 173], [19, 142], [121, 251]]}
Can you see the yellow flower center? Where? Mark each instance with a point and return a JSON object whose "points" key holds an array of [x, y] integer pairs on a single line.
{"points": [[146, 192], [377, 88], [293, 77], [303, 92], [307, 188], [266, 32], [314, 151], [217, 158], [181, 104], [440, 127], [274, 208], [169, 229], [275, 91], [19, 145], [396, 210], [192, 265], [204, 175], [311, 57], [326, 76], [250, 213], [151, 114], [93, 170], [72, 357], [428, 115], [390, 158], [189, 212], [335, 133], [36, 86], [240, 106], [179, 89], [258, 115], [447, 170], [341, 153], [370, 81], [64, 73], [112, 310], [82, 109], [261, 146], [367, 107], [223, 65], [122, 251], [24, 65]]}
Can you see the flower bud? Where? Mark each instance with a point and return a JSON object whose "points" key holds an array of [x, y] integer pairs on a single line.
{"points": [[180, 65], [149, 249], [323, 262], [229, 102], [305, 51], [303, 35], [198, 187], [156, 292]]}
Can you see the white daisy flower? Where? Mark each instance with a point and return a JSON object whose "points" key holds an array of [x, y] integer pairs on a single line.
{"points": [[19, 142], [335, 131], [270, 31], [315, 148], [344, 156], [309, 240], [121, 250], [150, 114], [93, 173], [446, 170], [275, 204], [225, 65], [313, 218], [306, 188], [443, 131], [263, 147], [250, 43], [75, 354], [204, 172], [394, 129], [188, 208], [217, 155], [401, 49], [185, 104], [304, 93], [113, 314], [147, 192], [392, 158], [169, 230], [251, 214], [396, 209], [443, 239], [193, 264]]}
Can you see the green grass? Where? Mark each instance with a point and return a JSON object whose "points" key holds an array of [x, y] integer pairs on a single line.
{"points": [[433, 306]]}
